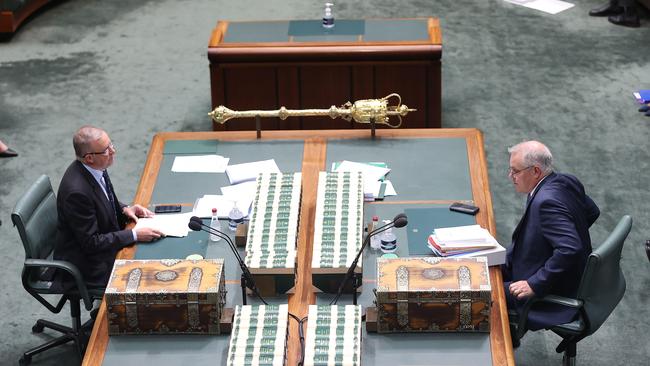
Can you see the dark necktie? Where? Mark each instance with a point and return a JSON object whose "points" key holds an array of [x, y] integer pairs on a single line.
{"points": [[109, 190]]}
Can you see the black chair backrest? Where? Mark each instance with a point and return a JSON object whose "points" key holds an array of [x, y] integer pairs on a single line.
{"points": [[35, 216], [603, 284]]}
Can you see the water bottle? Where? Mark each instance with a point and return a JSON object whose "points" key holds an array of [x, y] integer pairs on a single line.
{"points": [[328, 18], [214, 224], [235, 217], [388, 240], [375, 241]]}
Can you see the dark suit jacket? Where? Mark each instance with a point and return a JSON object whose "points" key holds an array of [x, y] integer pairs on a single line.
{"points": [[550, 246], [90, 233]]}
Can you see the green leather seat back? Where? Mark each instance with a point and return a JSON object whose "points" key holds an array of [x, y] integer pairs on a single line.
{"points": [[603, 284], [35, 217]]}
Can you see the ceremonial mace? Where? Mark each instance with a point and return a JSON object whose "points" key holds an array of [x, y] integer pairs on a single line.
{"points": [[372, 111]]}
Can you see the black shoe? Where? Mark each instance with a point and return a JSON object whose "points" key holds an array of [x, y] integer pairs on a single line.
{"points": [[8, 154], [608, 9], [627, 19]]}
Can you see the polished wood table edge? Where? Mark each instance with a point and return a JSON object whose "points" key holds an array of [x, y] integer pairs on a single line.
{"points": [[345, 134], [315, 144], [500, 342], [314, 161], [10, 20], [99, 337]]}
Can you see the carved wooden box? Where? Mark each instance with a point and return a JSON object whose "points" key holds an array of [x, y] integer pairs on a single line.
{"points": [[428, 294], [167, 296]]}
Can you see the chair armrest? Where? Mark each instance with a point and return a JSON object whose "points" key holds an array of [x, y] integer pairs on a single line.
{"points": [[71, 269], [553, 299], [561, 300]]}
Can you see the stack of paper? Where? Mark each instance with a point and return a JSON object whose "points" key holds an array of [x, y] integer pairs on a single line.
{"points": [[471, 240], [375, 186]]}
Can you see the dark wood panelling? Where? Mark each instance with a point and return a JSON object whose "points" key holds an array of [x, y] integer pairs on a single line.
{"points": [[250, 88], [321, 87], [410, 82], [289, 95]]}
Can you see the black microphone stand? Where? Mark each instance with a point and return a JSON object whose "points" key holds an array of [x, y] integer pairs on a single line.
{"points": [[247, 280], [350, 273]]}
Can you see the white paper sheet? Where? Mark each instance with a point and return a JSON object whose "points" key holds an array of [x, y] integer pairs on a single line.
{"points": [[248, 171], [240, 192], [370, 172], [204, 205], [200, 164], [373, 188], [547, 6], [168, 224]]}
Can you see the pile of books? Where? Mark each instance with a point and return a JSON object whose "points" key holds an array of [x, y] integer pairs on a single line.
{"points": [[471, 240]]}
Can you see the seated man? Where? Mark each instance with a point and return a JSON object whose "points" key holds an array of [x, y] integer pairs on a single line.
{"points": [[551, 243], [91, 218]]}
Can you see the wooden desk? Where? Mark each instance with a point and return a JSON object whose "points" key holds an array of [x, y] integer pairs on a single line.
{"points": [[316, 147], [298, 64]]}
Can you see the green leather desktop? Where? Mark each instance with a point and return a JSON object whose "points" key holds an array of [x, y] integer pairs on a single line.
{"points": [[425, 187]]}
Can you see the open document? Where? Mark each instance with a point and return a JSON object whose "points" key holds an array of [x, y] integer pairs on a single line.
{"points": [[168, 224]]}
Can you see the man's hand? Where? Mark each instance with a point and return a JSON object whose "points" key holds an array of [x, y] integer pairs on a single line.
{"points": [[135, 211], [146, 234], [521, 290]]}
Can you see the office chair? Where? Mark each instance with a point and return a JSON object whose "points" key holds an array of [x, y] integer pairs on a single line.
{"points": [[601, 288], [35, 216]]}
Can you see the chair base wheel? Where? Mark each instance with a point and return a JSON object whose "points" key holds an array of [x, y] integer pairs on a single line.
{"points": [[25, 360], [38, 328]]}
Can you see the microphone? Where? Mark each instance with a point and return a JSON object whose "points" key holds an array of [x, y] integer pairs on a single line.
{"points": [[196, 224], [400, 220]]}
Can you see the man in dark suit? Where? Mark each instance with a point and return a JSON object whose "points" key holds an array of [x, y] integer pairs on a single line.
{"points": [[91, 218], [551, 243]]}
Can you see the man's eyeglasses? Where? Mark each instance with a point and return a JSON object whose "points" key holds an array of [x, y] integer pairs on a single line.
{"points": [[105, 152], [512, 171]]}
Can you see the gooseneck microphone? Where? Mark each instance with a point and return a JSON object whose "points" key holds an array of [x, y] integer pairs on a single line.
{"points": [[400, 220], [196, 224]]}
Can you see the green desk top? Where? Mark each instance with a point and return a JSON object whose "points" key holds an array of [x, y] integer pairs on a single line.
{"points": [[174, 187], [423, 169], [345, 30]]}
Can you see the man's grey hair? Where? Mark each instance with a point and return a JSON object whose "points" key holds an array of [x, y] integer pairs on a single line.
{"points": [[535, 154], [82, 139]]}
